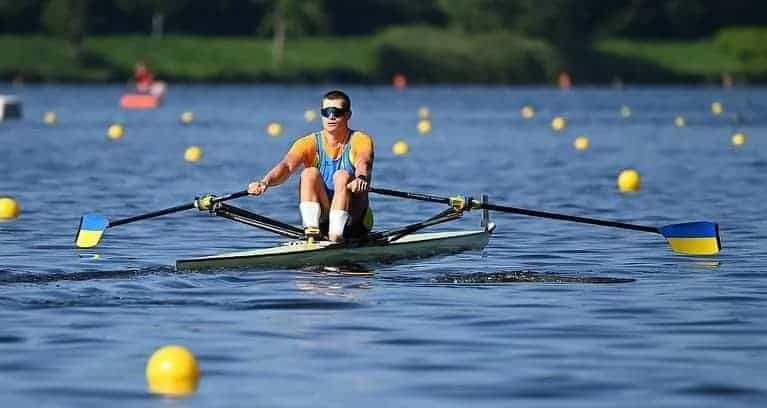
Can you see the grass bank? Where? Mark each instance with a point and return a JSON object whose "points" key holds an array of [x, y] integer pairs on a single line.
{"points": [[426, 55], [437, 56], [187, 58], [738, 52]]}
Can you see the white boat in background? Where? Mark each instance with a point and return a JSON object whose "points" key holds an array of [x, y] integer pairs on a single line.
{"points": [[10, 107]]}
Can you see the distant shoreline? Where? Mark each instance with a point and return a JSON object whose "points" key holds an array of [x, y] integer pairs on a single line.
{"points": [[373, 60]]}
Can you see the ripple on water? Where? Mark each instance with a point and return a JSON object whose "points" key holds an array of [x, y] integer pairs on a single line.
{"points": [[720, 390], [525, 277], [94, 393], [539, 389], [294, 304], [10, 339]]}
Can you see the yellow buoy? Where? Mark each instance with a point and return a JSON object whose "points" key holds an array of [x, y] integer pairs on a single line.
{"points": [[424, 113], [187, 117], [558, 123], [274, 129], [172, 370], [310, 115], [629, 181], [679, 121], [717, 108], [193, 153], [581, 143], [424, 126], [115, 131], [738, 139], [9, 208], [50, 118], [527, 111], [625, 112], [400, 148]]}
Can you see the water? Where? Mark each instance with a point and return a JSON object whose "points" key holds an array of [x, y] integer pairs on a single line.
{"points": [[549, 314]]}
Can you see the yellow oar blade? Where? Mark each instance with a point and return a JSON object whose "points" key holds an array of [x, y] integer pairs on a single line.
{"points": [[91, 229], [693, 238]]}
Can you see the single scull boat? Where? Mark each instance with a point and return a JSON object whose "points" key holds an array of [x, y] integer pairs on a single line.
{"points": [[692, 238]]}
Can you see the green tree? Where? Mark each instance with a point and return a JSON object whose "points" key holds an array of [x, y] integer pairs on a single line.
{"points": [[570, 25], [292, 17], [67, 19], [160, 9], [479, 15]]}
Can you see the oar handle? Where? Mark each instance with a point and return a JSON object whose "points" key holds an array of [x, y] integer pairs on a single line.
{"points": [[514, 210], [177, 208]]}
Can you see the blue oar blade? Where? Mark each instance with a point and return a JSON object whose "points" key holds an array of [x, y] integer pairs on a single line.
{"points": [[91, 229], [693, 238]]}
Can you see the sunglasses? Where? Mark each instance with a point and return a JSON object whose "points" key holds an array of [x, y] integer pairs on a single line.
{"points": [[332, 110]]}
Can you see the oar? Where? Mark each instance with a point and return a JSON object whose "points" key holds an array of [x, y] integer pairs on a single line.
{"points": [[691, 238], [92, 226]]}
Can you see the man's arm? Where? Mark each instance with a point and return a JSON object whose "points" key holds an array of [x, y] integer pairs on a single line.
{"points": [[363, 168], [277, 175]]}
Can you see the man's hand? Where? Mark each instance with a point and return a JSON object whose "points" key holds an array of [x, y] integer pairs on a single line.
{"points": [[257, 187], [358, 185]]}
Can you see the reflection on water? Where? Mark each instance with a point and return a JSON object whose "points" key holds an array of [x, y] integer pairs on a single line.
{"points": [[333, 288], [345, 269], [10, 278]]}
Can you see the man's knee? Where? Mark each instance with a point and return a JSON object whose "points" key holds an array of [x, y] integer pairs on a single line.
{"points": [[310, 175], [341, 177]]}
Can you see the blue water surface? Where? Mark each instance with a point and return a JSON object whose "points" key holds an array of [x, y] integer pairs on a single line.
{"points": [[523, 322]]}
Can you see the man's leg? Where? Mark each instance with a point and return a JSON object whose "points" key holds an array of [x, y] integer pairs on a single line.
{"points": [[339, 208], [314, 199], [360, 222]]}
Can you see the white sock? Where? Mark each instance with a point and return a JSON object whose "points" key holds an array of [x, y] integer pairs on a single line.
{"points": [[337, 222], [310, 214]]}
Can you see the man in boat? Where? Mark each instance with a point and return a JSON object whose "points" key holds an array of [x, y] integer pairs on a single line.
{"points": [[337, 164], [143, 77], [145, 82]]}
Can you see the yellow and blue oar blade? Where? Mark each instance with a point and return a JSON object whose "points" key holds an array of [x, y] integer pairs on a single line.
{"points": [[693, 238], [91, 229]]}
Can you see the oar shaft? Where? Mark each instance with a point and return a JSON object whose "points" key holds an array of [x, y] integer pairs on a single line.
{"points": [[177, 208], [151, 214], [572, 218], [521, 211]]}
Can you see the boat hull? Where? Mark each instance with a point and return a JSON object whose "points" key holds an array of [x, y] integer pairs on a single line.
{"points": [[301, 254], [139, 101]]}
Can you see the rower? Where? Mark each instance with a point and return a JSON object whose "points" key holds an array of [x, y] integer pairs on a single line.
{"points": [[145, 81], [143, 77], [335, 180]]}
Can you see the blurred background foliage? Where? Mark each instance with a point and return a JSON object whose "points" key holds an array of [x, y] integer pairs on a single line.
{"points": [[483, 41]]}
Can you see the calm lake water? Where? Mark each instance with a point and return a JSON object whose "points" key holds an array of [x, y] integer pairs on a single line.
{"points": [[77, 330]]}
